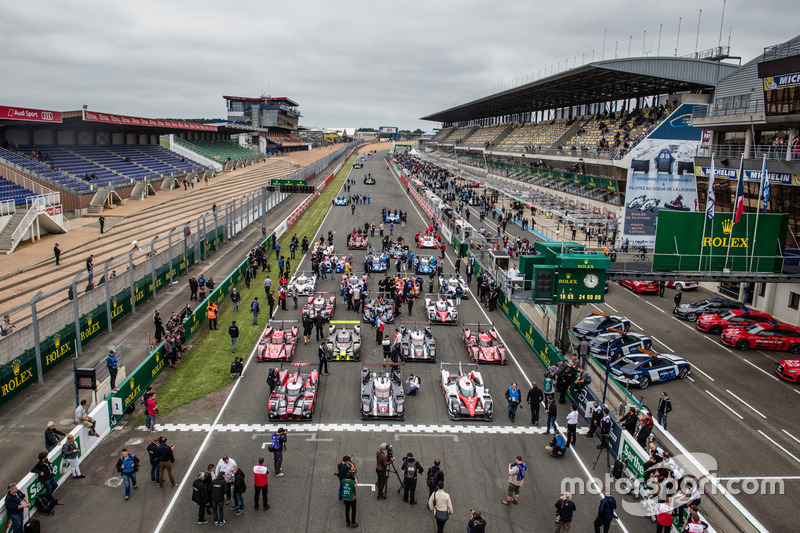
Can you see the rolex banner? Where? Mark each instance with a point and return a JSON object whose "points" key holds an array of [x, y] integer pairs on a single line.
{"points": [[682, 245]]}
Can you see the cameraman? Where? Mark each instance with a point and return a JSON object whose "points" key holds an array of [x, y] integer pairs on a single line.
{"points": [[382, 464]]}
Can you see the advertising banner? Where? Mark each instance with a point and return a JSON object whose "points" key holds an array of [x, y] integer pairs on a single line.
{"points": [[779, 178], [123, 120], [661, 176], [34, 115]]}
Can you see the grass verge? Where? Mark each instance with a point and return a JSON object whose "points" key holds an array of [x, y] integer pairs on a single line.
{"points": [[206, 367]]}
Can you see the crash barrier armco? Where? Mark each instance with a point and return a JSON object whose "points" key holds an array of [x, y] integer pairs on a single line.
{"points": [[724, 511], [40, 343]]}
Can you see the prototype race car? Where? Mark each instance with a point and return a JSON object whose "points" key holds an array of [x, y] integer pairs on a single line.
{"points": [[357, 241], [597, 323], [304, 282], [691, 311], [452, 285], [417, 344], [714, 324], [369, 180], [614, 345], [465, 393], [382, 394], [642, 369], [427, 241], [769, 336], [343, 344], [391, 217], [277, 343], [358, 165], [484, 345], [424, 264], [340, 200], [294, 397], [355, 281], [327, 249], [639, 286], [378, 263], [379, 306], [789, 369], [441, 311], [333, 263], [397, 250], [320, 305]]}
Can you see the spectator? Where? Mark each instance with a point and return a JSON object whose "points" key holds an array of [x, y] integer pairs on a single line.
{"points": [[152, 451], [233, 331], [151, 411], [277, 448], [6, 326], [200, 497], [113, 367], [348, 494], [166, 456], [516, 475], [255, 308], [605, 513], [211, 310], [552, 412], [70, 453], [219, 487], [411, 468], [413, 384], [237, 368], [476, 523], [664, 408], [194, 286], [564, 509], [239, 488], [572, 425], [236, 297], [513, 398], [16, 503], [81, 417], [127, 466], [261, 483], [557, 445], [441, 506], [224, 468], [52, 436]]}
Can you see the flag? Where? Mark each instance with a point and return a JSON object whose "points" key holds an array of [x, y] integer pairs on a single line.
{"points": [[738, 207], [712, 199], [765, 185]]}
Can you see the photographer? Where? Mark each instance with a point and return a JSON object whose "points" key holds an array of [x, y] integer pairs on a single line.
{"points": [[557, 446], [411, 468], [516, 475], [277, 448], [564, 509], [342, 469], [476, 523], [382, 464]]}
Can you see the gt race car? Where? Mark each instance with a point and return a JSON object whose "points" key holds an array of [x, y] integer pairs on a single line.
{"points": [[294, 398], [304, 282], [319, 304], [642, 369], [343, 344], [417, 344], [465, 392], [277, 343], [483, 344], [382, 394], [597, 323], [441, 311], [378, 305], [424, 264]]}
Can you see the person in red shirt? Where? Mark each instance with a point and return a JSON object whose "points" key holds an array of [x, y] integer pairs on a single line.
{"points": [[260, 482], [442, 248]]}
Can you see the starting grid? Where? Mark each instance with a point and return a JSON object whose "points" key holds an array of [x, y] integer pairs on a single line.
{"points": [[364, 428]]}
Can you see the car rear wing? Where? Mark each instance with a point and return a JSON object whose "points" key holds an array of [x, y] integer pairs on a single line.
{"points": [[290, 365], [479, 325], [281, 322], [460, 366]]}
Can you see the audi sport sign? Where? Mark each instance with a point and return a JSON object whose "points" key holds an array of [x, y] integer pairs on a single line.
{"points": [[35, 115]]}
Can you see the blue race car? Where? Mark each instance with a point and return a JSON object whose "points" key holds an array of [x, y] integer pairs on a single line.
{"points": [[378, 263], [614, 345], [389, 217], [424, 264], [340, 200], [597, 323], [642, 369], [334, 263]]}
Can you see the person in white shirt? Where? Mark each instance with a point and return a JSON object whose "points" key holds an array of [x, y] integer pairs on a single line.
{"points": [[225, 467], [413, 382], [572, 425], [81, 417]]}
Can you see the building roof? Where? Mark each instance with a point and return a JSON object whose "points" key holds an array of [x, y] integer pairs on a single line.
{"points": [[597, 82]]}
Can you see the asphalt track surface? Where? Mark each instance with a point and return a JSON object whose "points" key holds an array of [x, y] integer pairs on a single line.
{"points": [[733, 407], [474, 455]]}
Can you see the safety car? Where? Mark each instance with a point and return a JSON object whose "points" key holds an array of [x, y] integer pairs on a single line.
{"points": [[441, 311], [343, 344], [379, 305], [716, 323], [277, 343], [465, 392], [382, 394], [294, 397], [424, 264], [642, 369], [614, 344], [682, 285], [417, 344], [768, 336], [690, 311], [318, 304], [304, 282], [789, 369], [597, 323], [640, 286], [483, 344], [452, 285]]}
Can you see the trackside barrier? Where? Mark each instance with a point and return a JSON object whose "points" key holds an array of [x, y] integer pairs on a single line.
{"points": [[726, 511]]}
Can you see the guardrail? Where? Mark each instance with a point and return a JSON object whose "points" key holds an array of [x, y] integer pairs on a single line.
{"points": [[734, 152], [8, 207]]}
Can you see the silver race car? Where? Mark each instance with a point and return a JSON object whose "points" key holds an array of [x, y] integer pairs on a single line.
{"points": [[343, 344], [453, 284], [417, 344], [382, 394], [304, 282]]}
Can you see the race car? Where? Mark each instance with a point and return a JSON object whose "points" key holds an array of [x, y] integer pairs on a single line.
{"points": [[768, 336], [642, 369], [357, 241], [614, 345], [358, 165], [597, 323], [427, 241], [382, 394], [417, 344], [397, 250], [789, 369], [319, 304], [391, 217], [484, 345], [343, 344], [355, 281], [452, 285], [304, 282], [333, 263], [378, 263], [714, 324], [378, 306], [639, 286], [340, 200], [441, 311], [294, 397], [327, 249], [424, 264], [465, 393], [277, 343], [682, 285], [369, 180], [691, 311]]}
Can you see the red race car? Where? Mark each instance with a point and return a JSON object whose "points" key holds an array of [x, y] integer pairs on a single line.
{"points": [[277, 343], [484, 345], [789, 369], [714, 324], [357, 241], [319, 304], [767, 336], [294, 398], [639, 286]]}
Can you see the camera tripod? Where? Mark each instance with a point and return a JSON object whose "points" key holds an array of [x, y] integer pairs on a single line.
{"points": [[608, 458], [392, 468]]}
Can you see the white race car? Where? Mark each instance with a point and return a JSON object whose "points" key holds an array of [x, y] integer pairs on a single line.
{"points": [[453, 284], [304, 282], [465, 392], [427, 241], [441, 311]]}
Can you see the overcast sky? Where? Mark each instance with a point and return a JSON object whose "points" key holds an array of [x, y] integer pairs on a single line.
{"points": [[347, 63]]}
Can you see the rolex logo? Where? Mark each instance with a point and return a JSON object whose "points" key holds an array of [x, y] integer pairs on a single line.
{"points": [[569, 275], [726, 226], [89, 318], [57, 339], [114, 301], [15, 366]]}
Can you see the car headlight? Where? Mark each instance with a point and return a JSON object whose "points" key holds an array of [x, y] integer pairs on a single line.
{"points": [[793, 371]]}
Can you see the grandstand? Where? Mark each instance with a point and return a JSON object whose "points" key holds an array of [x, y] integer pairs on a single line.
{"points": [[42, 171], [11, 192], [218, 150], [483, 136]]}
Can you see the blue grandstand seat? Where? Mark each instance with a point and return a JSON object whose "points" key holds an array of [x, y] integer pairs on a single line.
{"points": [[11, 191]]}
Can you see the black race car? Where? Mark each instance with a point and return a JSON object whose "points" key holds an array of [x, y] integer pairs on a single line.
{"points": [[382, 394], [712, 306]]}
